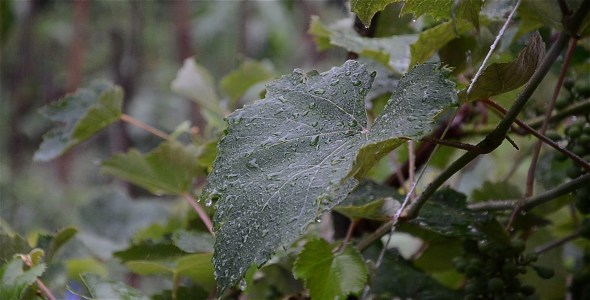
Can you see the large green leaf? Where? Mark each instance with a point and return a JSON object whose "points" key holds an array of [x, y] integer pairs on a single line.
{"points": [[101, 288], [391, 51], [499, 78], [445, 9], [170, 168], [81, 115], [365, 10], [329, 275], [14, 281], [287, 158]]}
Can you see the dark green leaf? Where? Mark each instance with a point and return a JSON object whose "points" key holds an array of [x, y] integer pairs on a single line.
{"points": [[330, 275], [147, 267], [192, 241], [365, 10], [398, 278], [81, 115], [183, 292], [499, 78], [54, 242], [446, 213], [149, 251], [14, 281], [197, 267], [496, 191], [445, 9], [170, 168], [435, 38], [285, 159], [12, 245], [110, 289]]}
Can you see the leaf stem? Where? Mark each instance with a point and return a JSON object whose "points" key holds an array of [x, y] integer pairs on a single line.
{"points": [[200, 211], [531, 202], [135, 122], [557, 243], [46, 291], [578, 160], [530, 182], [454, 144]]}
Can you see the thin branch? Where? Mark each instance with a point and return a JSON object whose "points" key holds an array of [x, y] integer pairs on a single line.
{"points": [[46, 291], [135, 122], [493, 46], [200, 211], [578, 160], [531, 202], [530, 183], [578, 107], [348, 236], [558, 243], [565, 9], [454, 144]]}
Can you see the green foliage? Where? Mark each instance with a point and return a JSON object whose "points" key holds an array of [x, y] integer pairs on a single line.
{"points": [[12, 245], [305, 164], [365, 10], [429, 41], [14, 280], [81, 115], [52, 243], [238, 82], [330, 275], [170, 168]]}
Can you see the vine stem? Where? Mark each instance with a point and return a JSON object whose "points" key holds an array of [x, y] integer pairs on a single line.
{"points": [[493, 46], [557, 243], [495, 138], [200, 211], [580, 161], [530, 182], [46, 291], [135, 122], [529, 203]]}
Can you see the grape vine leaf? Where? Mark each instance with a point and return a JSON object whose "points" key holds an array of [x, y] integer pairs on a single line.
{"points": [[170, 168], [365, 10], [329, 275], [442, 9], [100, 288], [196, 83], [14, 281], [370, 200], [251, 72], [81, 115], [51, 243], [499, 78], [287, 158], [12, 245]]}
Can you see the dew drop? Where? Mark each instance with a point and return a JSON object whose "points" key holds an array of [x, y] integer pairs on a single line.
{"points": [[318, 220], [243, 285], [314, 124], [334, 82], [353, 123], [319, 91], [282, 99], [252, 164], [314, 140], [373, 74], [356, 82], [208, 202], [312, 105]]}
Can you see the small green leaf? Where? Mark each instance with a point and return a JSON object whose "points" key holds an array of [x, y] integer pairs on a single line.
{"points": [[146, 268], [192, 241], [236, 83], [52, 243], [435, 38], [170, 168], [197, 267], [370, 201], [14, 281], [330, 275], [289, 157], [496, 191], [101, 288], [12, 245], [82, 114], [499, 78], [398, 278], [196, 83], [365, 10], [147, 250]]}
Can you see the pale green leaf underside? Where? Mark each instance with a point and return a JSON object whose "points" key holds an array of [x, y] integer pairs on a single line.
{"points": [[290, 156], [327, 275], [170, 168], [499, 78], [82, 114], [14, 281]]}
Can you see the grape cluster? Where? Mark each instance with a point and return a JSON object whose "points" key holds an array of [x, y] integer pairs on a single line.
{"points": [[492, 270]]}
